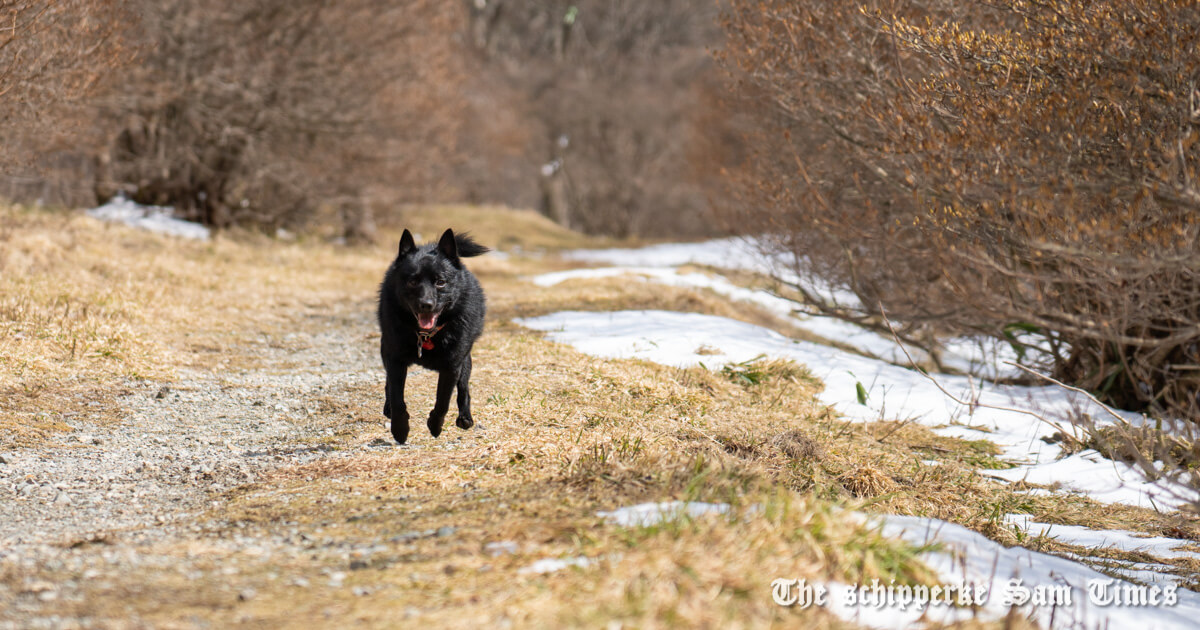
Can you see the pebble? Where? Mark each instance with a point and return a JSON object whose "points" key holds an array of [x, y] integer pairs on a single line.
{"points": [[500, 548]]}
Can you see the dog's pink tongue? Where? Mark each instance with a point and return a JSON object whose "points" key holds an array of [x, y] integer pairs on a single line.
{"points": [[427, 321]]}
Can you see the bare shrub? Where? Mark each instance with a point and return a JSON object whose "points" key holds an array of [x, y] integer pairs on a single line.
{"points": [[797, 446], [54, 55], [1002, 167], [259, 112]]}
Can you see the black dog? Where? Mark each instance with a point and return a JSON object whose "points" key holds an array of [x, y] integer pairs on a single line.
{"points": [[430, 313]]}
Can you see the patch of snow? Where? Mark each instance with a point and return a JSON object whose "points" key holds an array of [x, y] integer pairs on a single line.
{"points": [[982, 357], [649, 514], [893, 392], [1090, 473], [157, 219], [1122, 540], [661, 274], [728, 253], [741, 253], [550, 565], [501, 548], [968, 558], [827, 327]]}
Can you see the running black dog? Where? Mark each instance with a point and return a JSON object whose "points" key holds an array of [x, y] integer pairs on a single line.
{"points": [[430, 313]]}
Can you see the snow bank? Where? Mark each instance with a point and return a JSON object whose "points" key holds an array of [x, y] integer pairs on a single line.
{"points": [[827, 327], [727, 253], [1121, 540], [745, 254], [689, 339], [152, 218], [983, 357], [1056, 592], [1008, 573]]}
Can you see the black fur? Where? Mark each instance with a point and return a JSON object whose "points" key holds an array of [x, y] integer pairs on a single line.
{"points": [[410, 292]]}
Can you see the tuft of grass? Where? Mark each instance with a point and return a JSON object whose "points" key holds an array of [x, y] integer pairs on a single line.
{"points": [[797, 446], [762, 369], [866, 482]]}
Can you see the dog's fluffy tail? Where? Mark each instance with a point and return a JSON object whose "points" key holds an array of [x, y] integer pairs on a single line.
{"points": [[467, 247]]}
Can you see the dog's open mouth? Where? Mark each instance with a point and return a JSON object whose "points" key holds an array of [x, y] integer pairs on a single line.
{"points": [[427, 321]]}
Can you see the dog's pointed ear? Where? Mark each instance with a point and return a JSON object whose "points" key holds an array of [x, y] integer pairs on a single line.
{"points": [[448, 246], [406, 243]]}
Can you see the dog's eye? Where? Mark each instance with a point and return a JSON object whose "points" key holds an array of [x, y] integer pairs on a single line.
{"points": [[440, 283], [412, 282]]}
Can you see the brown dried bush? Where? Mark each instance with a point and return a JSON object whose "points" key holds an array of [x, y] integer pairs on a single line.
{"points": [[54, 55], [1005, 167], [258, 112]]}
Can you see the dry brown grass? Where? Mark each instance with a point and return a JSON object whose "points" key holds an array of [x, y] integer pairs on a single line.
{"points": [[566, 435], [866, 482], [494, 226], [84, 306]]}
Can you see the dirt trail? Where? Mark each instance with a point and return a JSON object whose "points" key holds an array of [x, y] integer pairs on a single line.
{"points": [[183, 442]]}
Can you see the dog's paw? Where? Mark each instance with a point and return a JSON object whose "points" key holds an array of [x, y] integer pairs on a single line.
{"points": [[464, 422], [400, 430], [435, 425]]}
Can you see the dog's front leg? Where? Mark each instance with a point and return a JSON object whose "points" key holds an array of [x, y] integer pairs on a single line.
{"points": [[393, 406], [464, 396], [446, 381]]}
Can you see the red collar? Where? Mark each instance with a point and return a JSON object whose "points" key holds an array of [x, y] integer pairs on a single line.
{"points": [[425, 339]]}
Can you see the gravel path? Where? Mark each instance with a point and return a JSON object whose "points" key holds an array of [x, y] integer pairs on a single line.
{"points": [[84, 517], [182, 442]]}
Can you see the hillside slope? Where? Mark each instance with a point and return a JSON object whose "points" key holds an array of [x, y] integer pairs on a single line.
{"points": [[192, 436]]}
